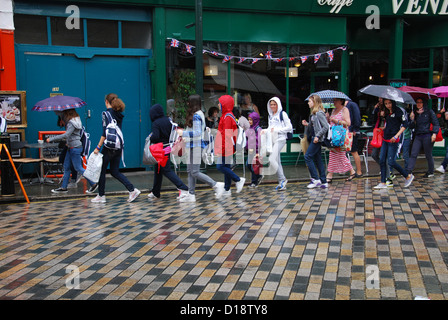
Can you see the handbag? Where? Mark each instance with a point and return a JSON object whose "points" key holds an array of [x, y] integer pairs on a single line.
{"points": [[304, 143], [94, 165], [439, 136], [338, 135], [377, 139], [257, 165], [348, 141]]}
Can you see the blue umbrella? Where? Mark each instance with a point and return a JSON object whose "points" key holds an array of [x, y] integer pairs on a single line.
{"points": [[59, 103], [329, 95]]}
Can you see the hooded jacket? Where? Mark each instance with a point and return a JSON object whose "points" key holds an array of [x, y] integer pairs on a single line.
{"points": [[227, 129], [253, 132], [72, 133], [280, 127], [422, 122], [161, 125]]}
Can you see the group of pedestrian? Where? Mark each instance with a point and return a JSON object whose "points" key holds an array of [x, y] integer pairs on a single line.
{"points": [[393, 120]]}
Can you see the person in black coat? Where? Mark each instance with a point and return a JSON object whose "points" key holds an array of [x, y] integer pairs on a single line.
{"points": [[161, 131], [425, 136]]}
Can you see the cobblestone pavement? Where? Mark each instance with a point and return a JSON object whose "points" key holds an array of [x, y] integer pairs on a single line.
{"points": [[345, 242]]}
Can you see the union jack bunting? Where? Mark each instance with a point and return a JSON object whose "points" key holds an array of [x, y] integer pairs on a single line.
{"points": [[278, 59], [292, 58], [303, 59], [241, 60], [316, 57], [189, 48], [269, 55], [255, 60], [227, 59], [330, 55], [214, 53], [175, 43]]}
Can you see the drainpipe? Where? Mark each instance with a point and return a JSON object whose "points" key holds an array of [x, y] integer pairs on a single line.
{"points": [[199, 59]]}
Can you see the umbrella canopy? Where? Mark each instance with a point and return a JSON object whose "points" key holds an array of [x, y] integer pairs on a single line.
{"points": [[417, 92], [329, 95], [59, 103], [441, 92], [387, 92]]}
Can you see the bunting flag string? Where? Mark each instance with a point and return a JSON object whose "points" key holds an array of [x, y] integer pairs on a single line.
{"points": [[267, 55]]}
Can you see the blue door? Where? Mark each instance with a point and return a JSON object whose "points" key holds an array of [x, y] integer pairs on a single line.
{"points": [[41, 74]]}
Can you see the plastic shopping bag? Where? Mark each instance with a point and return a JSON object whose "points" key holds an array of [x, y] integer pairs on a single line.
{"points": [[94, 165]]}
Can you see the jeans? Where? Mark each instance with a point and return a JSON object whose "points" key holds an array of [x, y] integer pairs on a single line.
{"points": [[313, 158], [388, 156], [170, 174], [194, 173], [229, 175], [254, 177], [406, 151], [72, 159], [445, 161], [422, 140], [113, 158]]}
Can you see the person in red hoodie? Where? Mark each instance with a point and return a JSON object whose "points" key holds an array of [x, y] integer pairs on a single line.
{"points": [[225, 143]]}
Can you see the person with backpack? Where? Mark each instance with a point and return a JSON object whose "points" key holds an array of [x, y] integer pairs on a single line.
{"points": [[161, 132], [73, 157], [252, 135], [317, 129], [112, 142], [194, 138], [280, 128], [225, 145]]}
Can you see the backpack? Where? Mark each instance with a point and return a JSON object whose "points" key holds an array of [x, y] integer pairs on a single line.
{"points": [[2, 124], [289, 135], [85, 140], [208, 152], [241, 135], [114, 136]]}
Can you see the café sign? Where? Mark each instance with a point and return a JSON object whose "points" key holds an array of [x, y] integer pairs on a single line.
{"points": [[407, 7]]}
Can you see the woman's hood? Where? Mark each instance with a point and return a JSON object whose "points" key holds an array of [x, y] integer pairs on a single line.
{"points": [[227, 103], [255, 119], [279, 104], [76, 122], [156, 112]]}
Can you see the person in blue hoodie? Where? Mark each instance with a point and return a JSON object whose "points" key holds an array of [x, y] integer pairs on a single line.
{"points": [[161, 131]]}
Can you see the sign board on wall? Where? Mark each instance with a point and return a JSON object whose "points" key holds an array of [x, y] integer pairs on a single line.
{"points": [[398, 83]]}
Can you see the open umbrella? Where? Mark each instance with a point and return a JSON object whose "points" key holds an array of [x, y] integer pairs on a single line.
{"points": [[387, 92], [441, 92], [329, 95], [59, 103], [417, 92]]}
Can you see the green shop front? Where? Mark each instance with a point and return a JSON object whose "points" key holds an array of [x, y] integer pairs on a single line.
{"points": [[257, 49]]}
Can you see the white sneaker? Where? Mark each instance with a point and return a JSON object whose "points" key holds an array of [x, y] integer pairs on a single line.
{"points": [[324, 185], [227, 193], [380, 186], [219, 189], [240, 184], [440, 169], [182, 193], [133, 194], [152, 197], [409, 181], [314, 184], [188, 198], [281, 186], [99, 199]]}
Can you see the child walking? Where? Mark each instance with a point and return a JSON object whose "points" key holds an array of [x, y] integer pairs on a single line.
{"points": [[252, 135]]}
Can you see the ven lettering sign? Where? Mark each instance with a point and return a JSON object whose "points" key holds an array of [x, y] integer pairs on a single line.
{"points": [[421, 6]]}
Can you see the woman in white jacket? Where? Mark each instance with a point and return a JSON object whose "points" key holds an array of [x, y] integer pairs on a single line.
{"points": [[279, 127]]}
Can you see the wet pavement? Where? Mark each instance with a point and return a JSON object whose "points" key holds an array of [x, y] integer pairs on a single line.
{"points": [[344, 242]]}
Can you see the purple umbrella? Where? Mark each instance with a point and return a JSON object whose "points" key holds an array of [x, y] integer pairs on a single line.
{"points": [[59, 103], [441, 92]]}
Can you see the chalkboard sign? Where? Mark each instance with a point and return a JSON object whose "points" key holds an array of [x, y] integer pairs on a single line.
{"points": [[51, 153]]}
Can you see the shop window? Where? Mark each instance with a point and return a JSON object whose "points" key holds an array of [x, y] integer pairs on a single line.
{"points": [[30, 29], [62, 36], [102, 33], [136, 34], [415, 59], [440, 73]]}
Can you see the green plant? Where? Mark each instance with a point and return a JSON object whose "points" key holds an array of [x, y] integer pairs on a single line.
{"points": [[184, 85]]}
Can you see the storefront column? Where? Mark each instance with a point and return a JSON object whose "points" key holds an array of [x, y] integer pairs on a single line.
{"points": [[396, 50], [159, 74]]}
